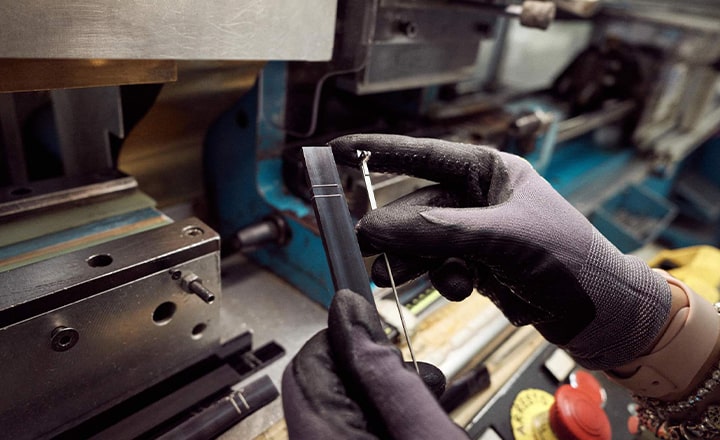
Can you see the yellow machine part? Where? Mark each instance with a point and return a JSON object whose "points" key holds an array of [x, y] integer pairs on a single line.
{"points": [[696, 266], [529, 415]]}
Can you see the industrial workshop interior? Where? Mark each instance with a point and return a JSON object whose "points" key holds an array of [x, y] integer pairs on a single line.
{"points": [[360, 219]]}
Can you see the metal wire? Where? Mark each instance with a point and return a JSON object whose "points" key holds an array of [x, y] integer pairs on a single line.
{"points": [[364, 157]]}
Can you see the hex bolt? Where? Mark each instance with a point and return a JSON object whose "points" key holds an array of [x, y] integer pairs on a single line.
{"points": [[193, 284], [64, 338]]}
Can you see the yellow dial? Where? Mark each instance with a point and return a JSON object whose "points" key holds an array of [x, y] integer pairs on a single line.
{"points": [[529, 415]]}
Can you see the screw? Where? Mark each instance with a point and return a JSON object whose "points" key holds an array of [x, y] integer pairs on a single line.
{"points": [[175, 274], [193, 284], [64, 338], [192, 231]]}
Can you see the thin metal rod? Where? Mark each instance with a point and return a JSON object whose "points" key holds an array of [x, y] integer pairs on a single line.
{"points": [[365, 156]]}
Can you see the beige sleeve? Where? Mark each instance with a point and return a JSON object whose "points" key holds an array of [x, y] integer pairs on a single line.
{"points": [[686, 348]]}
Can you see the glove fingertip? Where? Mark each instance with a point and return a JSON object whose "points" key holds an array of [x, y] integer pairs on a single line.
{"points": [[365, 241], [433, 378], [453, 279], [349, 310], [403, 269], [345, 149]]}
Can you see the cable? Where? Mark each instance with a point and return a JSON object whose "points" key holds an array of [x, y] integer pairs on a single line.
{"points": [[315, 104]]}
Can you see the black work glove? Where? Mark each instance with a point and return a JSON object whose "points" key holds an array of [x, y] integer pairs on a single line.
{"points": [[496, 225], [349, 382]]}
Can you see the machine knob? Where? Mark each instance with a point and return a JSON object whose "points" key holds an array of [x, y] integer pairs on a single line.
{"points": [[575, 415], [271, 230]]}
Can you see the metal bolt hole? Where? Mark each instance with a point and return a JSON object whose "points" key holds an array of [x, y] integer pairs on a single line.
{"points": [[198, 330], [64, 338], [164, 313], [100, 260]]}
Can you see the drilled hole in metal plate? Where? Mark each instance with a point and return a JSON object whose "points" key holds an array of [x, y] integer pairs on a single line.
{"points": [[198, 330], [164, 313], [23, 191], [100, 260]]}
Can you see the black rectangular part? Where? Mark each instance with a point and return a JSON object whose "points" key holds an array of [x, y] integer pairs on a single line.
{"points": [[336, 225]]}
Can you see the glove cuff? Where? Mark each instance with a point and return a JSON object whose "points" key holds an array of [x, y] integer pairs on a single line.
{"points": [[632, 305], [673, 365]]}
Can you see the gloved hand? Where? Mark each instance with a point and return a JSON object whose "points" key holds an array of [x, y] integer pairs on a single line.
{"points": [[494, 224], [349, 382]]}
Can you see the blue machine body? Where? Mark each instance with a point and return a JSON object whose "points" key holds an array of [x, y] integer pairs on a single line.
{"points": [[244, 177]]}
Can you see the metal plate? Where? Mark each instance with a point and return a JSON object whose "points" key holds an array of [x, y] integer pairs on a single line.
{"points": [[18, 75], [53, 192], [412, 44], [164, 29], [135, 326]]}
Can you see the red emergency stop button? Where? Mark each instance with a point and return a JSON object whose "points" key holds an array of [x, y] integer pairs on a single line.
{"points": [[586, 382], [577, 416]]}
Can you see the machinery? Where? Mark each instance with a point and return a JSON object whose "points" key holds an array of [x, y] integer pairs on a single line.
{"points": [[602, 119], [112, 286], [111, 309]]}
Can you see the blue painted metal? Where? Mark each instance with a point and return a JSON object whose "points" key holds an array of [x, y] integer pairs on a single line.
{"points": [[634, 217], [269, 170], [580, 161], [680, 236], [430, 96], [708, 161], [574, 164], [301, 262], [89, 234], [231, 167], [270, 107], [547, 147], [661, 185], [701, 224], [243, 166]]}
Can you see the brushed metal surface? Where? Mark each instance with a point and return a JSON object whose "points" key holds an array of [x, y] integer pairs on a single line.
{"points": [[403, 45], [41, 287], [84, 118], [165, 29], [53, 192], [125, 342]]}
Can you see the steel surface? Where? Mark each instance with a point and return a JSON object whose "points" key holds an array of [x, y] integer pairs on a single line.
{"points": [[164, 29], [135, 325]]}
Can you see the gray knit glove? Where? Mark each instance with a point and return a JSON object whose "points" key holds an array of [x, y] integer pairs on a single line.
{"points": [[349, 382], [494, 224]]}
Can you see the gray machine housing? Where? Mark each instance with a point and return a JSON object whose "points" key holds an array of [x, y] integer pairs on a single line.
{"points": [[81, 332]]}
